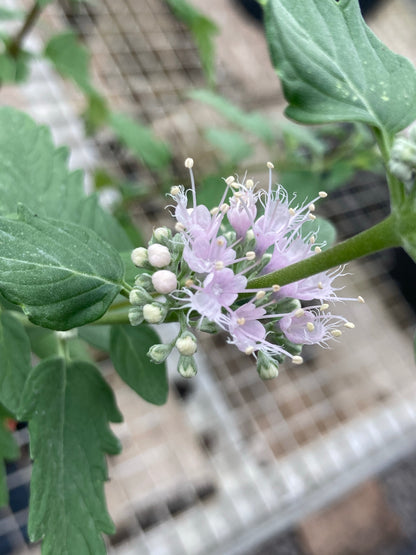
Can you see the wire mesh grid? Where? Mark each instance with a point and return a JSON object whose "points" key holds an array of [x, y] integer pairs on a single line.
{"points": [[230, 459]]}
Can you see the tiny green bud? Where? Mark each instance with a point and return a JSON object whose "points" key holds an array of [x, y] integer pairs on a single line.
{"points": [[186, 344], [159, 353], [187, 367], [144, 281], [139, 256], [136, 315], [154, 313], [138, 296], [267, 368], [208, 327]]}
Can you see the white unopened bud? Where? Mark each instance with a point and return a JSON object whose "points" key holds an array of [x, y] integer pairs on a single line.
{"points": [[159, 353], [162, 234], [164, 281], [186, 344], [187, 367], [139, 256], [250, 235], [136, 315], [158, 255], [153, 313]]}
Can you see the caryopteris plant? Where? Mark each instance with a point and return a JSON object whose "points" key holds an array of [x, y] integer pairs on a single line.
{"points": [[251, 267]]}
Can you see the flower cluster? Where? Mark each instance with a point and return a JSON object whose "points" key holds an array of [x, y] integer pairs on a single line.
{"points": [[200, 274]]}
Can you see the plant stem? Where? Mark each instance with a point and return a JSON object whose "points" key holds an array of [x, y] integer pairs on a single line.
{"points": [[32, 15], [396, 189], [113, 317], [379, 237]]}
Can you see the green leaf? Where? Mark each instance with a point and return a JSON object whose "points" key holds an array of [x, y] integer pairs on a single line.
{"points": [[333, 68], [15, 363], [96, 114], [203, 31], [69, 405], [305, 183], [140, 140], [7, 15], [36, 173], [9, 450], [253, 122], [61, 274], [70, 58], [231, 144], [97, 336], [128, 348], [14, 69], [43, 342]]}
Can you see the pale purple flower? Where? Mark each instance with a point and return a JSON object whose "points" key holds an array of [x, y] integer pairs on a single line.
{"points": [[243, 210], [204, 255], [246, 332], [309, 327]]}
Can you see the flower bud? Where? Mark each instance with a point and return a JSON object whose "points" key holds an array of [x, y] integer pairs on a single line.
{"points": [[139, 256], [164, 281], [136, 315], [159, 353], [154, 313], [158, 255], [162, 235], [267, 368], [208, 327], [186, 344], [144, 281], [139, 296], [187, 367]]}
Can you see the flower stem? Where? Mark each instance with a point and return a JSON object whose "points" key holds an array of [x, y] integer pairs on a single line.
{"points": [[32, 15], [376, 238]]}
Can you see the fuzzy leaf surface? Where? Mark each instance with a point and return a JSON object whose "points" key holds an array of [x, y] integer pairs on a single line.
{"points": [[35, 172], [69, 407], [128, 348], [333, 68], [15, 363], [61, 274]]}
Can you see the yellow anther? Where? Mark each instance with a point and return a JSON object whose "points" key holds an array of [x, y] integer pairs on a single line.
{"points": [[349, 325], [224, 207], [235, 185], [312, 216], [189, 282], [323, 194], [260, 295], [312, 239], [317, 250], [275, 288], [249, 183], [220, 241], [219, 265], [250, 255], [241, 321], [249, 350], [310, 326], [214, 210], [336, 333], [360, 299], [175, 190], [299, 313], [179, 227], [292, 212], [324, 306], [320, 285], [230, 179], [189, 163], [311, 207], [297, 359], [270, 165]]}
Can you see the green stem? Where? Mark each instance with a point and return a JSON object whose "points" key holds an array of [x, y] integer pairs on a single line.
{"points": [[379, 237], [32, 16], [113, 317], [396, 188]]}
